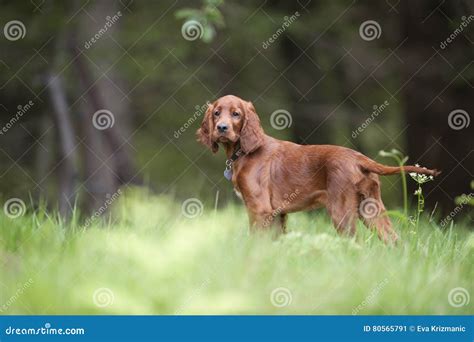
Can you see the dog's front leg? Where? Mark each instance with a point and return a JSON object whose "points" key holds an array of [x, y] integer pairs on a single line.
{"points": [[262, 216], [267, 220]]}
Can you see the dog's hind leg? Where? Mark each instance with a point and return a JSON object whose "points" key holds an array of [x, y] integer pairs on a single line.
{"points": [[342, 207], [372, 210]]}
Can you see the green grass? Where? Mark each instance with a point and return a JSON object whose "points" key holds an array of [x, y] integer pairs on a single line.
{"points": [[154, 260]]}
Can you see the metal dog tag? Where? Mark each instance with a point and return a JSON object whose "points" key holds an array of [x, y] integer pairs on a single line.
{"points": [[228, 174]]}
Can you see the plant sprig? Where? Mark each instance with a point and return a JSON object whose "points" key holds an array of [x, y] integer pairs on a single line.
{"points": [[420, 179], [209, 16], [401, 160]]}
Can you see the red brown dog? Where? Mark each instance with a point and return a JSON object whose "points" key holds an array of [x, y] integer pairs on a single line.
{"points": [[275, 177]]}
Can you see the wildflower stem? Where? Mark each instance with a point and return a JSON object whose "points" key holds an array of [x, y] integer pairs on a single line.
{"points": [[419, 208], [404, 185], [401, 160]]}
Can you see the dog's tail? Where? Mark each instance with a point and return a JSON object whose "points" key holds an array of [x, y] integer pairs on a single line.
{"points": [[370, 165]]}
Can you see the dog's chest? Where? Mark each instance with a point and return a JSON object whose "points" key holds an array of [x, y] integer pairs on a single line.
{"points": [[238, 193], [235, 171]]}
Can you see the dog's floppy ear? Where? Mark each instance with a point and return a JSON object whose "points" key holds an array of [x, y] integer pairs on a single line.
{"points": [[204, 134], [251, 136]]}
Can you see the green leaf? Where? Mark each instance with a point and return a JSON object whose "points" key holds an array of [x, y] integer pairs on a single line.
{"points": [[215, 16], [187, 13], [208, 34]]}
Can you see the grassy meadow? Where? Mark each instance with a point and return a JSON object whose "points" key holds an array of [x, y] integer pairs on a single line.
{"points": [[153, 258]]}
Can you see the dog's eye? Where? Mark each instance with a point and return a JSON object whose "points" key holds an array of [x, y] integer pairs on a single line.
{"points": [[235, 114], [216, 113]]}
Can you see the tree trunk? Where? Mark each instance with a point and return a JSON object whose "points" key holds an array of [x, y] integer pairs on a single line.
{"points": [[108, 163], [65, 131]]}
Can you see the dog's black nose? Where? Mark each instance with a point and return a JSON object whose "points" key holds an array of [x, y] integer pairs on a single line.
{"points": [[222, 128]]}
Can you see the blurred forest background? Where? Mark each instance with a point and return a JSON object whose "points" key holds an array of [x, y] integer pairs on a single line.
{"points": [[148, 78]]}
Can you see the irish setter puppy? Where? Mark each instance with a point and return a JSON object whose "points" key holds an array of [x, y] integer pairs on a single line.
{"points": [[275, 177]]}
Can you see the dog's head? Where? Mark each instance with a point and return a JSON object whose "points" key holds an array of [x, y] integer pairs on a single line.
{"points": [[230, 120]]}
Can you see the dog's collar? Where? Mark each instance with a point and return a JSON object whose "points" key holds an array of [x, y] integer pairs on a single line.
{"points": [[229, 162]]}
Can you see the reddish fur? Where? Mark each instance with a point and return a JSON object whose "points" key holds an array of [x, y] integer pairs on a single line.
{"points": [[278, 177]]}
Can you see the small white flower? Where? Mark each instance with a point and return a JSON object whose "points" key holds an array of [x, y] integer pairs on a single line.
{"points": [[420, 178], [417, 191], [417, 165]]}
